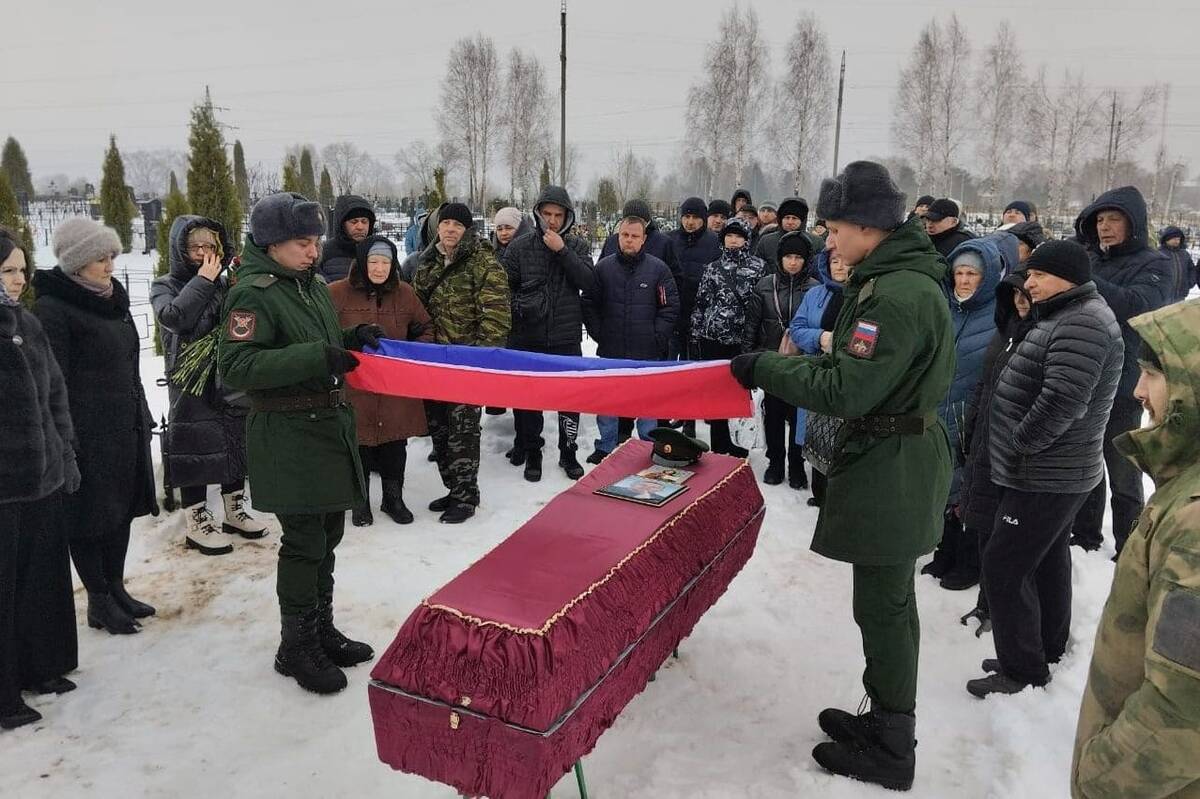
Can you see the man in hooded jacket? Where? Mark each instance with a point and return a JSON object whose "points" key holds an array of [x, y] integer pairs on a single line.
{"points": [[1139, 723], [1172, 242], [352, 221], [548, 269], [890, 364], [1133, 279]]}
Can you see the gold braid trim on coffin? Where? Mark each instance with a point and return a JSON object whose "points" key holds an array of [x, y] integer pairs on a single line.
{"points": [[545, 628]]}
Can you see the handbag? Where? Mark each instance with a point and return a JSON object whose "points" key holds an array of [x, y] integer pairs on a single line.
{"points": [[822, 440]]}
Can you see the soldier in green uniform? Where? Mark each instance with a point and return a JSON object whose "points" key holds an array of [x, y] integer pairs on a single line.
{"points": [[281, 344], [891, 363], [465, 290], [1139, 725]]}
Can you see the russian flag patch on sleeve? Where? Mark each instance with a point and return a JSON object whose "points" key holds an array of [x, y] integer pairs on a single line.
{"points": [[863, 339]]}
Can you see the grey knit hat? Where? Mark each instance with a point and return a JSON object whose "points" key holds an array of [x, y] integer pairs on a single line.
{"points": [[507, 216], [863, 194], [283, 216], [79, 241]]}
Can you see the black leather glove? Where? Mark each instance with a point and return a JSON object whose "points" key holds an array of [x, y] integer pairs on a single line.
{"points": [[367, 336], [71, 477], [743, 368], [339, 360]]}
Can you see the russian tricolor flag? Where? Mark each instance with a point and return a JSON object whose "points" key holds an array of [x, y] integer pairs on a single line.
{"points": [[532, 381]]}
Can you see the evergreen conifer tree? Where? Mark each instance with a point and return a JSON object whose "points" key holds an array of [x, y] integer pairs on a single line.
{"points": [[241, 181], [115, 206], [16, 167], [211, 191], [325, 193]]}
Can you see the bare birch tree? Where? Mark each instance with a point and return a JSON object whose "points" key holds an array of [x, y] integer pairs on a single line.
{"points": [[1062, 126], [1000, 102], [803, 98], [346, 164], [632, 177], [914, 113], [1130, 118], [525, 115], [469, 111]]}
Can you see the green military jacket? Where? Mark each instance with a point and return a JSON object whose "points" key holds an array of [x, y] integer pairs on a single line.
{"points": [[1139, 724], [893, 354], [277, 323], [468, 298]]}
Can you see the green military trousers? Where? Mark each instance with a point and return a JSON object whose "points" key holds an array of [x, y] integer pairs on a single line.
{"points": [[306, 558], [885, 610]]}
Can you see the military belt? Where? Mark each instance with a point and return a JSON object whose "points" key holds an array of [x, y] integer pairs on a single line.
{"points": [[886, 425], [301, 402]]}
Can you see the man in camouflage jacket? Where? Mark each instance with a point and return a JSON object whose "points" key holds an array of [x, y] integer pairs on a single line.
{"points": [[465, 291], [1139, 725]]}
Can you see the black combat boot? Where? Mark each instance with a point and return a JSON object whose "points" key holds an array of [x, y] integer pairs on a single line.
{"points": [[885, 755], [842, 726], [302, 658], [773, 476], [338, 648], [393, 502], [457, 513], [570, 464], [516, 455], [533, 465], [104, 613], [441, 503]]}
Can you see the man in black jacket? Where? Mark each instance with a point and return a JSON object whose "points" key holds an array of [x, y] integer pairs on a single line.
{"points": [[944, 227], [1133, 279], [1046, 442], [658, 244], [547, 269], [1172, 242], [719, 212], [696, 247], [352, 221], [631, 313]]}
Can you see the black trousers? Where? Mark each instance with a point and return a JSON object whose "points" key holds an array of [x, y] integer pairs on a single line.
{"points": [[1027, 580], [718, 429], [1124, 477], [779, 426], [38, 640], [101, 560], [388, 459], [192, 495], [530, 424]]}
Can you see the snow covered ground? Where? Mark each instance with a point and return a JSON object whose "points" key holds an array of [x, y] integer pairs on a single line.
{"points": [[192, 708]]}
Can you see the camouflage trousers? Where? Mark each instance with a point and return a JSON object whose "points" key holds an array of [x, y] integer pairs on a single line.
{"points": [[455, 433]]}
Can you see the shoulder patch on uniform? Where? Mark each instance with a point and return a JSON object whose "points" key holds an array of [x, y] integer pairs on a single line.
{"points": [[241, 325], [1177, 634], [863, 339], [262, 281], [865, 292]]}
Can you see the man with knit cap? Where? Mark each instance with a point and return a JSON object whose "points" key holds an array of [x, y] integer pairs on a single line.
{"points": [[719, 213], [282, 345], [1049, 410], [1019, 211], [696, 247], [890, 365], [793, 215]]}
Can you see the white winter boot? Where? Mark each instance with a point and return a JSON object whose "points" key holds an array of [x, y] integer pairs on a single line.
{"points": [[237, 520], [203, 533]]}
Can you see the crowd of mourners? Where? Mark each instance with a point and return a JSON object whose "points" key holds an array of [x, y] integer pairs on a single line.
{"points": [[1046, 370]]}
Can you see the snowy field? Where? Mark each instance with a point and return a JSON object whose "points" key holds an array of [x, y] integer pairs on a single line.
{"points": [[192, 708]]}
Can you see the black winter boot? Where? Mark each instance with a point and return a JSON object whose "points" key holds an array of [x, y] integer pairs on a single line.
{"points": [[533, 465], [302, 658], [338, 648], [998, 683], [597, 456], [441, 503], [18, 715], [570, 464], [842, 726], [457, 513], [516, 455], [104, 613], [773, 476], [885, 755], [393, 502], [797, 479]]}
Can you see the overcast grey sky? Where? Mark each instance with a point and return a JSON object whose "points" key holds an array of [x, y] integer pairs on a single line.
{"points": [[369, 71]]}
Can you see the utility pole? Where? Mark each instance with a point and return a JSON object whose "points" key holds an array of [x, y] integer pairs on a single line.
{"points": [[837, 134], [1112, 125], [562, 102], [1171, 191]]}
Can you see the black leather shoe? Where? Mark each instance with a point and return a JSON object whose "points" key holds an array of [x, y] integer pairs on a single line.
{"points": [[596, 457]]}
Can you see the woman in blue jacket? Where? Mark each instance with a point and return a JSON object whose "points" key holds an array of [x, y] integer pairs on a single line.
{"points": [[811, 331], [976, 268]]}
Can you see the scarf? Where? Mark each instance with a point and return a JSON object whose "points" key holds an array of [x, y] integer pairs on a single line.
{"points": [[99, 289]]}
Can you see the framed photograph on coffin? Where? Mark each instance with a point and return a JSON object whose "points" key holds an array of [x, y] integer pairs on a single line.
{"points": [[642, 490]]}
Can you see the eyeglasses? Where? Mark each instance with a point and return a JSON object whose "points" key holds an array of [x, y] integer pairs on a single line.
{"points": [[202, 248]]}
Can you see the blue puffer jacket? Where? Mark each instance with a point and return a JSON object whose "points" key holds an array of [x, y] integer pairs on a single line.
{"points": [[805, 328], [632, 310], [974, 323]]}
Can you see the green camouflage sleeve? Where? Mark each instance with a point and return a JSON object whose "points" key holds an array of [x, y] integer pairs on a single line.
{"points": [[248, 356], [1152, 748], [495, 305]]}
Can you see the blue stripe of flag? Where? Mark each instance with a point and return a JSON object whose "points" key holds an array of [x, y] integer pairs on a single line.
{"points": [[508, 360]]}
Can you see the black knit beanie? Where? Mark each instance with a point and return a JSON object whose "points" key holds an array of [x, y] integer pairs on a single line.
{"points": [[796, 242], [1063, 258], [458, 212]]}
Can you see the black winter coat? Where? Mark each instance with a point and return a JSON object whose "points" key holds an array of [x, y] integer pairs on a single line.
{"points": [[1132, 278], [337, 254], [978, 495], [547, 313], [206, 435], [694, 251], [1053, 398], [775, 301], [658, 244], [98, 350], [36, 437], [947, 240], [1184, 276], [633, 310]]}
